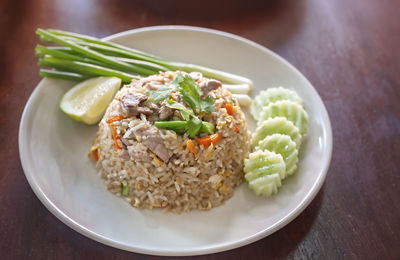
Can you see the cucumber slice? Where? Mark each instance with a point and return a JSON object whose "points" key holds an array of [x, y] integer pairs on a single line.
{"points": [[283, 145], [266, 185], [270, 95], [264, 172], [262, 163], [289, 109], [256, 108], [277, 125]]}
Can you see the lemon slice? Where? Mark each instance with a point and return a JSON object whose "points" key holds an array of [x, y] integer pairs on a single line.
{"points": [[87, 101]]}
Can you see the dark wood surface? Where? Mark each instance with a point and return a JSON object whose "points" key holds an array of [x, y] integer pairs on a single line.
{"points": [[349, 50]]}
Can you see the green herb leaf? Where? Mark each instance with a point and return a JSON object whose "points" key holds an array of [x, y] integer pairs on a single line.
{"points": [[161, 93], [207, 104], [191, 92], [181, 127], [177, 80], [207, 127], [193, 126], [185, 112]]}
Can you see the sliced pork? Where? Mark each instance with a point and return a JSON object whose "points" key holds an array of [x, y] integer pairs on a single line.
{"points": [[152, 140], [132, 104], [165, 112], [209, 85]]}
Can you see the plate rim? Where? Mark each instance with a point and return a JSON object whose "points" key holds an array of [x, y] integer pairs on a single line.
{"points": [[306, 200]]}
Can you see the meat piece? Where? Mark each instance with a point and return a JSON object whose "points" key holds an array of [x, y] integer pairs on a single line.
{"points": [[130, 103], [144, 110], [153, 106], [153, 85], [125, 142], [164, 112], [152, 140], [196, 75], [138, 156], [124, 154], [209, 85]]}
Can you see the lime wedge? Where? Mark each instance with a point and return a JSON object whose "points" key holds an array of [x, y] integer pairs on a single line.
{"points": [[87, 101]]}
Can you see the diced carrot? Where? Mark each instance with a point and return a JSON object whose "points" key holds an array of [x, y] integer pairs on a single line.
{"points": [[237, 128], [172, 96], [229, 109], [116, 136], [96, 155], [190, 146], [110, 121], [115, 118], [208, 140]]}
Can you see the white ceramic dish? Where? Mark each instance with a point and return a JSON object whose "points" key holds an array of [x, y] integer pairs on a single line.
{"points": [[53, 150]]}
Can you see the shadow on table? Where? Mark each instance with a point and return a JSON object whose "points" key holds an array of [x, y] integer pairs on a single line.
{"points": [[270, 22]]}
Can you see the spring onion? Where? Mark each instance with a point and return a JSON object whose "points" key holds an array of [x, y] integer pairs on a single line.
{"points": [[83, 68], [115, 57], [62, 75], [177, 126], [237, 88], [125, 190], [93, 54], [243, 99]]}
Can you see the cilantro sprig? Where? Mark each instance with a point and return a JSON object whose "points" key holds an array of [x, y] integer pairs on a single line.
{"points": [[193, 124], [161, 94], [191, 127], [192, 95], [190, 91], [185, 112]]}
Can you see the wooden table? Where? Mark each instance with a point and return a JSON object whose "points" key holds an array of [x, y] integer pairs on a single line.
{"points": [[349, 50]]}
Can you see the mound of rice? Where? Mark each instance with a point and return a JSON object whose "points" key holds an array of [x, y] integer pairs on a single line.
{"points": [[176, 180]]}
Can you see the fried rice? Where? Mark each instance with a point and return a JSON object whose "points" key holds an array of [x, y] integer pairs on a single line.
{"points": [[153, 168]]}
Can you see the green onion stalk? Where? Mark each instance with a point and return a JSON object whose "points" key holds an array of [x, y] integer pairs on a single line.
{"points": [[80, 57]]}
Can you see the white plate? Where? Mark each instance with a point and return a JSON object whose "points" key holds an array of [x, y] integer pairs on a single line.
{"points": [[53, 150]]}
